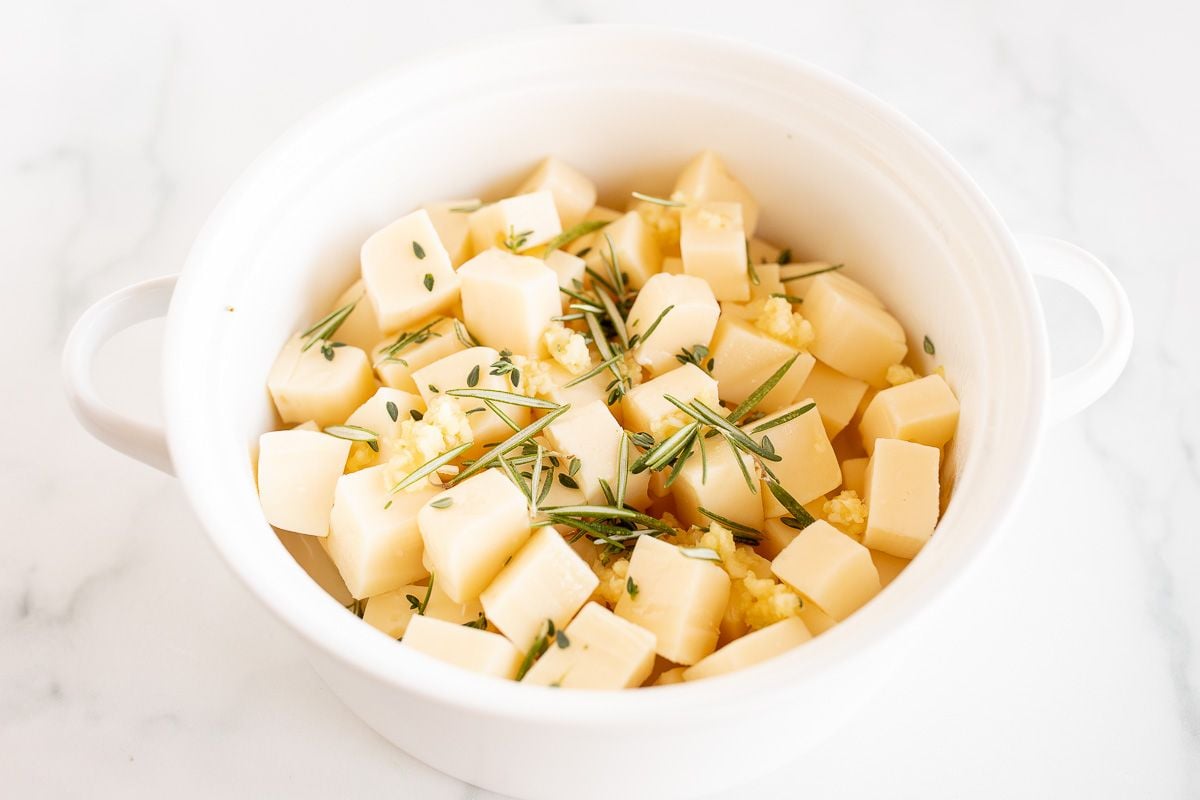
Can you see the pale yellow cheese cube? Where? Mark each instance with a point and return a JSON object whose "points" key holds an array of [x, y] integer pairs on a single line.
{"points": [[663, 220], [854, 475], [924, 411], [470, 648], [584, 245], [468, 541], [902, 495], [679, 599], [634, 245], [816, 620], [672, 265], [763, 252], [602, 651], [706, 178], [509, 300], [644, 406], [712, 244], [297, 473], [545, 580], [837, 396], [574, 194], [449, 218], [854, 336], [691, 320], [830, 568], [670, 676], [515, 223], [776, 536], [306, 385], [407, 272], [455, 372], [751, 649], [745, 357], [419, 347], [375, 415], [798, 277], [361, 328], [391, 611], [556, 390], [375, 546], [569, 270], [725, 492], [592, 435], [888, 566], [808, 466]]}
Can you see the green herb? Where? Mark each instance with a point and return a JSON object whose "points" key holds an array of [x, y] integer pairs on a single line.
{"points": [[468, 209], [355, 433], [442, 502], [756, 397], [473, 376], [929, 348], [574, 466], [525, 434], [784, 257], [701, 553], [798, 513], [464, 335], [659, 201], [406, 339], [515, 477], [539, 646], [653, 325], [750, 270], [420, 605], [784, 419], [694, 356], [392, 410], [642, 439], [734, 526], [736, 436], [505, 418], [534, 478], [479, 622], [567, 481], [428, 281], [605, 512], [516, 240], [418, 251], [594, 371], [583, 252], [327, 349], [324, 328], [622, 469], [434, 389], [614, 266], [631, 587], [560, 639], [572, 233], [416, 415], [357, 607], [431, 466], [665, 451], [791, 298], [814, 272], [498, 396]]}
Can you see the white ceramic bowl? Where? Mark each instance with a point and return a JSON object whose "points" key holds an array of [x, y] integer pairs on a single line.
{"points": [[839, 175]]}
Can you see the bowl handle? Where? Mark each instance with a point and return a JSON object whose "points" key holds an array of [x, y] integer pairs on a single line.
{"points": [[1083, 272], [121, 309]]}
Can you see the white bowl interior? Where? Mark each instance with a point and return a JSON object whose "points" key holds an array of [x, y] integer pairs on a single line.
{"points": [[838, 178]]}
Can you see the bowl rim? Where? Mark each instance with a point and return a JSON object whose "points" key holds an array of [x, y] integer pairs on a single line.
{"points": [[359, 646]]}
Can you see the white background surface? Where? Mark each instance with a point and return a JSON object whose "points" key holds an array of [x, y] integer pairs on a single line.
{"points": [[131, 661]]}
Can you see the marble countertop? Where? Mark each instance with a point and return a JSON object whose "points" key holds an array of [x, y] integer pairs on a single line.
{"points": [[131, 661]]}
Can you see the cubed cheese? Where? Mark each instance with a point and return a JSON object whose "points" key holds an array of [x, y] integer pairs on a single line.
{"points": [[706, 178], [391, 611], [634, 245], [544, 581], [690, 321], [808, 467], [515, 223], [455, 372], [584, 245], [602, 651], [361, 328], [469, 540], [306, 385], [376, 415], [553, 386], [672, 265], [397, 357], [469, 648], [816, 620], [376, 546], [924, 411], [751, 649], [763, 252], [663, 220], [679, 599], [837, 396], [712, 244], [592, 435], [509, 300], [297, 473], [646, 409], [449, 218], [574, 194], [888, 566], [776, 536], [854, 336], [744, 357], [725, 492], [854, 475], [828, 567], [407, 272], [902, 495], [569, 270]]}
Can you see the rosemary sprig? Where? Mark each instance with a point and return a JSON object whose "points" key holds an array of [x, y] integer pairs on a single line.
{"points": [[323, 329], [498, 396], [662, 453], [505, 418], [697, 356], [746, 532], [594, 371], [355, 433], [756, 397], [512, 442], [614, 266], [539, 646], [611, 512], [798, 513], [407, 339], [659, 201], [821, 271], [736, 436], [786, 418], [622, 469], [515, 241], [791, 298], [516, 479], [464, 336], [572, 233], [640, 338], [534, 478], [420, 605], [431, 466]]}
